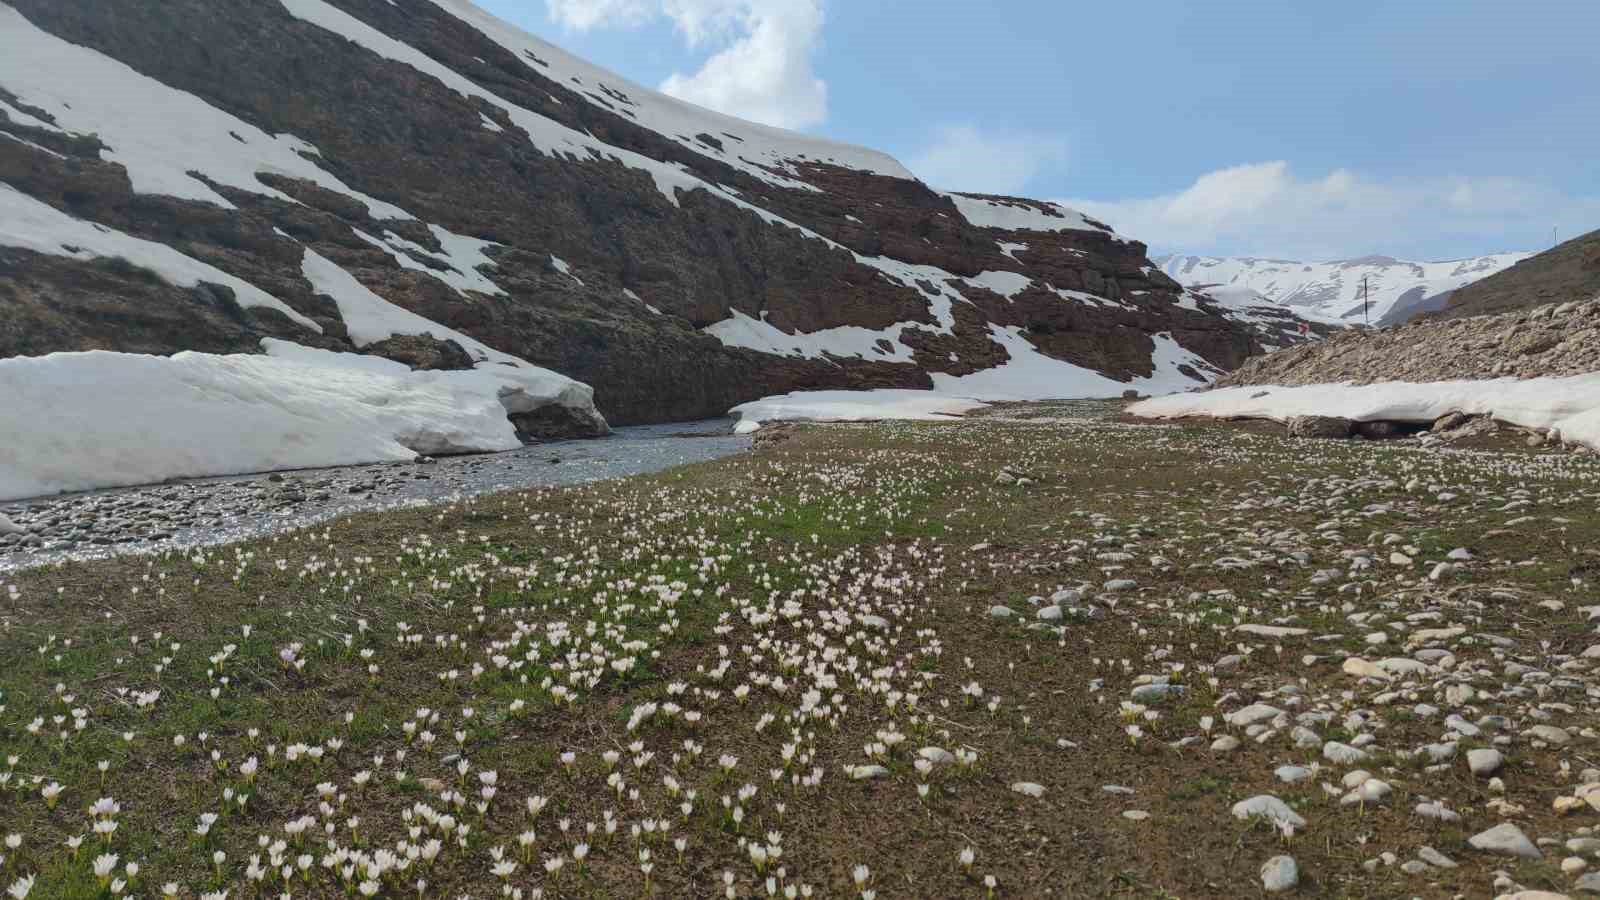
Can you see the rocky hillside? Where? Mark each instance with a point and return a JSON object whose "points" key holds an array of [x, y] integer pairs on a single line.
{"points": [[1553, 340], [346, 175], [1566, 271], [1332, 291]]}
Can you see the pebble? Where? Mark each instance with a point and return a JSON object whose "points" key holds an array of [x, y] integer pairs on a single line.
{"points": [[1029, 789], [1279, 874], [1146, 693], [1484, 761], [1342, 754], [1304, 738], [1250, 715], [1292, 774], [1362, 668], [1505, 839], [1272, 631], [1550, 734]]}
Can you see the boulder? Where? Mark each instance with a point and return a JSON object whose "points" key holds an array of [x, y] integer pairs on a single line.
{"points": [[557, 422], [422, 352], [1319, 427]]}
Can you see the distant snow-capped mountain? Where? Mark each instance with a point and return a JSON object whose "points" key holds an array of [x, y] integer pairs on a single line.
{"points": [[1331, 291]]}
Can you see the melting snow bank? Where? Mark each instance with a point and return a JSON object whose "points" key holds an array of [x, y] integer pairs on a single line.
{"points": [[1570, 406], [851, 406], [78, 421]]}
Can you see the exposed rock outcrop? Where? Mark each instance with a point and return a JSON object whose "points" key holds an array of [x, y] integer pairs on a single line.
{"points": [[422, 351], [1320, 427]]}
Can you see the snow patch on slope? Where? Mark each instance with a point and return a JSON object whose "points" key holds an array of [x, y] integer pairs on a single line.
{"points": [[370, 318], [750, 333], [157, 133], [1031, 375], [560, 265], [32, 225], [78, 421], [1570, 405], [1006, 284], [1027, 375], [461, 255], [1023, 216]]}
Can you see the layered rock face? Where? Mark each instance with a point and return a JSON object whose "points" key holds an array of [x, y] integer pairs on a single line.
{"points": [[678, 261]]}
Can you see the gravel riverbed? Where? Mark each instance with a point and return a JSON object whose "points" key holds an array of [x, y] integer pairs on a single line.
{"points": [[220, 510]]}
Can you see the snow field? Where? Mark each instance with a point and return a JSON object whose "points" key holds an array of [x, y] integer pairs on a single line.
{"points": [[1568, 405]]}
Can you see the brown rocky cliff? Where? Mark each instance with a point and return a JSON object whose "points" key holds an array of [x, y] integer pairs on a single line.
{"points": [[394, 133]]}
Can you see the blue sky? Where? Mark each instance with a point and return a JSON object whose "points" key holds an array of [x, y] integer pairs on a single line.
{"points": [[1425, 129]]}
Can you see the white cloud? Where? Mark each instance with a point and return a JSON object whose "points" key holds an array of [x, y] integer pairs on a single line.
{"points": [[1264, 209], [962, 158], [761, 68], [582, 15]]}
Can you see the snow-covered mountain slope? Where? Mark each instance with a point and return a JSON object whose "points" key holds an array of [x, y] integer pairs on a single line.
{"points": [[1332, 291], [417, 180]]}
